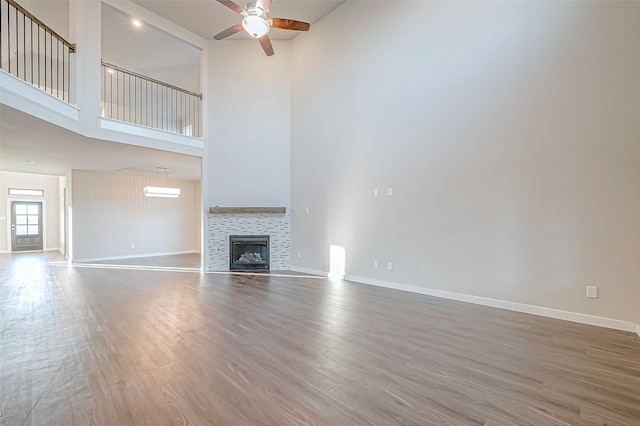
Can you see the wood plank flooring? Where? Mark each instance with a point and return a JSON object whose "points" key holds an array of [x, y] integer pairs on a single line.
{"points": [[98, 345]]}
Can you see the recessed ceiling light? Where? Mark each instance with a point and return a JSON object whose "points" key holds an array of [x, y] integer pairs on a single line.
{"points": [[137, 23], [29, 162]]}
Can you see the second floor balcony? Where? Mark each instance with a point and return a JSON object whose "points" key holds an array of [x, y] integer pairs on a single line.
{"points": [[148, 77], [138, 99], [34, 52]]}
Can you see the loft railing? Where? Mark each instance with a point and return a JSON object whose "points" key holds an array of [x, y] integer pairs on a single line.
{"points": [[135, 98], [33, 52]]}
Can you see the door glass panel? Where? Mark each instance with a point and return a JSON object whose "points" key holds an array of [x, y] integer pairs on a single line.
{"points": [[33, 230], [21, 220], [21, 209], [32, 209], [33, 220], [21, 230]]}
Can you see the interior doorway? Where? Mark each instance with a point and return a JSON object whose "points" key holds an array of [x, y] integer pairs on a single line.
{"points": [[26, 226]]}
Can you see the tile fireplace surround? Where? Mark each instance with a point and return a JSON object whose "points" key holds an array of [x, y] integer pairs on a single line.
{"points": [[225, 221]]}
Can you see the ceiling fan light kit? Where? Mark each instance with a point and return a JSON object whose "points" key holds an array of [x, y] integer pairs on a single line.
{"points": [[257, 24]]}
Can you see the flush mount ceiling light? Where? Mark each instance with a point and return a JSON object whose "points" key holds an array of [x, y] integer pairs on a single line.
{"points": [[136, 23]]}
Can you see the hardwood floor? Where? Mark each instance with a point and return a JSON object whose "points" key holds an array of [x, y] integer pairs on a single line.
{"points": [[85, 345]]}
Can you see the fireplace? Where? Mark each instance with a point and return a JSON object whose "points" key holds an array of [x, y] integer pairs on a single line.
{"points": [[248, 252]]}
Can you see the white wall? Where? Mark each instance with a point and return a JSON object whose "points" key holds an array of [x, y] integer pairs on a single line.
{"points": [[248, 150], [50, 203], [509, 132], [111, 213], [54, 13]]}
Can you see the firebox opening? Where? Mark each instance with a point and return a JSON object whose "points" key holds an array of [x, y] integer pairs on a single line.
{"points": [[248, 252]]}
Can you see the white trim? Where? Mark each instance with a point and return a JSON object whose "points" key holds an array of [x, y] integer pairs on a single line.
{"points": [[309, 271], [134, 256], [15, 91], [148, 132], [503, 304], [28, 251]]}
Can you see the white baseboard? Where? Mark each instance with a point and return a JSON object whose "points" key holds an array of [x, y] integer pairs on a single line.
{"points": [[134, 256], [29, 251], [309, 271], [503, 304]]}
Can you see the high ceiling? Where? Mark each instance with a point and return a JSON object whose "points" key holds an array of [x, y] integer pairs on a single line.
{"points": [[54, 151], [208, 17]]}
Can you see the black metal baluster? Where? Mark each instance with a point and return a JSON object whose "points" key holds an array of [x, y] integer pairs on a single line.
{"points": [[24, 47], [38, 61], [31, 40], [57, 68], [9, 38], [135, 99]]}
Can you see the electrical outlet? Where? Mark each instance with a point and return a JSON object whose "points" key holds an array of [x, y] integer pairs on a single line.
{"points": [[299, 255], [306, 210], [375, 263], [376, 193], [389, 192], [592, 291], [133, 246], [390, 266]]}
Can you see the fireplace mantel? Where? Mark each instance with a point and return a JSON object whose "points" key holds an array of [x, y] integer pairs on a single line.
{"points": [[247, 210]]}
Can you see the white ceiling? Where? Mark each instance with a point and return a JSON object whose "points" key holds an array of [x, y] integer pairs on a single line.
{"points": [[145, 50], [55, 151], [208, 17]]}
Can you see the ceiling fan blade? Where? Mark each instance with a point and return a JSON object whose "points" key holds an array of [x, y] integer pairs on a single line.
{"points": [[228, 32], [264, 4], [266, 45], [231, 5], [289, 24]]}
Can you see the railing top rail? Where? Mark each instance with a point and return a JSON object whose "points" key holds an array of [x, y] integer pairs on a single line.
{"points": [[71, 46], [153, 80]]}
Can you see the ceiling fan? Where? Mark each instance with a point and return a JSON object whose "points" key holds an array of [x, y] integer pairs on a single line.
{"points": [[257, 23]]}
